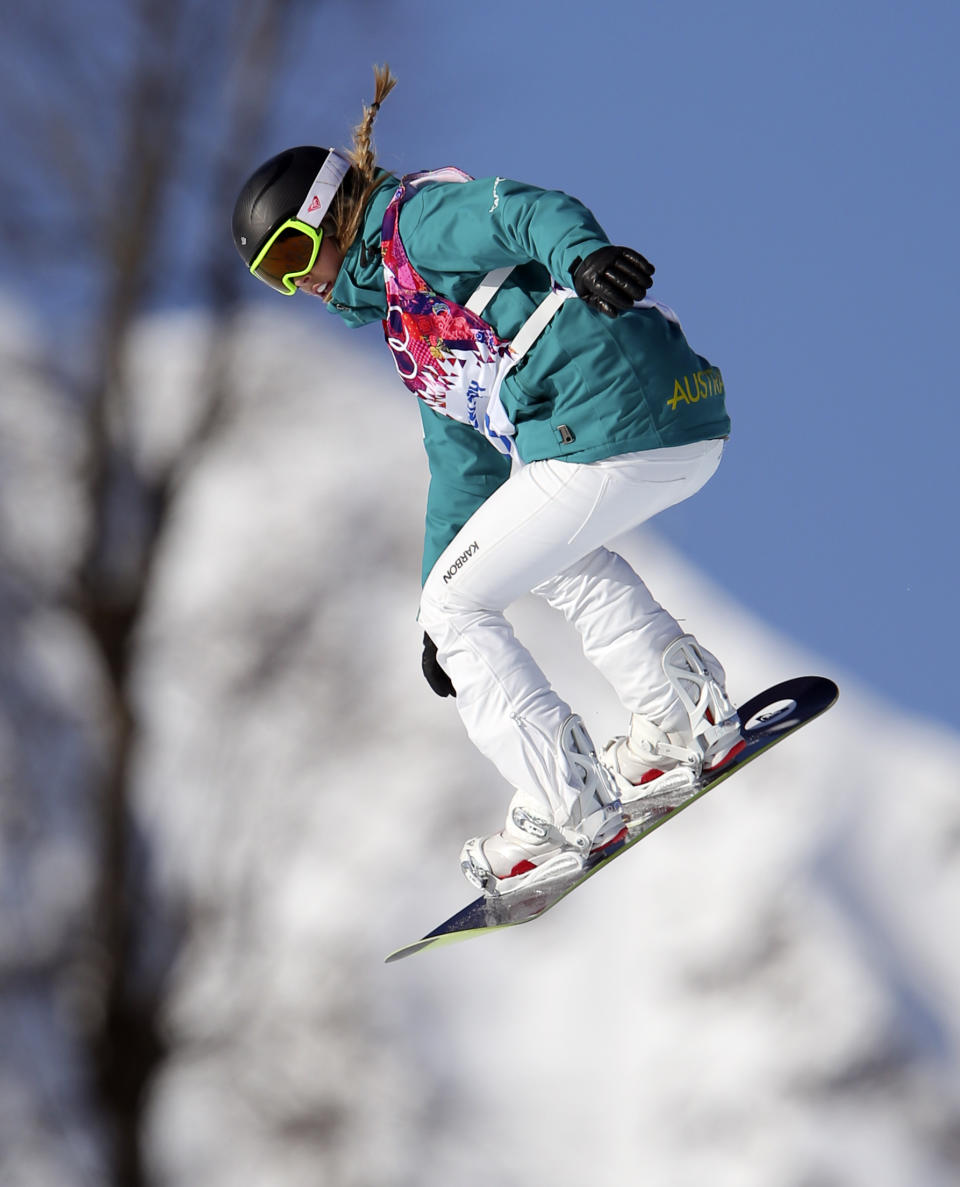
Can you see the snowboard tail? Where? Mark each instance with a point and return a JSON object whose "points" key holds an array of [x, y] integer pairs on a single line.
{"points": [[765, 720]]}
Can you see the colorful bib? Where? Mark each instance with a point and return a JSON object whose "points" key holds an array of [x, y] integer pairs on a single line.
{"points": [[445, 353]]}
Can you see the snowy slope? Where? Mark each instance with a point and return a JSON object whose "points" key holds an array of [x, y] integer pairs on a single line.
{"points": [[767, 993]]}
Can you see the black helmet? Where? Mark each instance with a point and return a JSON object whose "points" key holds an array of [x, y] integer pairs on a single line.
{"points": [[276, 192]]}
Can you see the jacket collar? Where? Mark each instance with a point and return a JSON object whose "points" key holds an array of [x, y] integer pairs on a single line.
{"points": [[358, 294]]}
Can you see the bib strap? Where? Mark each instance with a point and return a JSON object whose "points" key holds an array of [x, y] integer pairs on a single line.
{"points": [[483, 293], [537, 322]]}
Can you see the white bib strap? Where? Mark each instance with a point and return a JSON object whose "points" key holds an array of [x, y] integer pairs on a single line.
{"points": [[482, 294], [537, 322], [497, 425]]}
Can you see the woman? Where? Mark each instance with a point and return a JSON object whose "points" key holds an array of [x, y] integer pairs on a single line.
{"points": [[560, 408]]}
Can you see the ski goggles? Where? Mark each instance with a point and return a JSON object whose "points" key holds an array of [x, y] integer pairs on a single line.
{"points": [[292, 249]]}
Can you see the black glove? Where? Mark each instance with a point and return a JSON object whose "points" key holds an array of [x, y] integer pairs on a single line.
{"points": [[612, 278], [437, 678]]}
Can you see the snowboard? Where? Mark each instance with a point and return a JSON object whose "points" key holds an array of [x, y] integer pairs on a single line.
{"points": [[765, 720]]}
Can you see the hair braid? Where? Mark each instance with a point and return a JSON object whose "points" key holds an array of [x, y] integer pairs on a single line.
{"points": [[347, 213]]}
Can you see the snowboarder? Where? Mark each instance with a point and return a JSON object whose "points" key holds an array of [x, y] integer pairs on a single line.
{"points": [[560, 408]]}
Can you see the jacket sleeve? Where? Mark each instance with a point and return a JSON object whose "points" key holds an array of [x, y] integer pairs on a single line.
{"points": [[465, 469], [492, 222]]}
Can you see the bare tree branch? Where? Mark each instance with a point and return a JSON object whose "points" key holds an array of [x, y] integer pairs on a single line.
{"points": [[117, 191]]}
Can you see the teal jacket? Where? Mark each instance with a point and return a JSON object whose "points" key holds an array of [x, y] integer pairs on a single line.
{"points": [[591, 386]]}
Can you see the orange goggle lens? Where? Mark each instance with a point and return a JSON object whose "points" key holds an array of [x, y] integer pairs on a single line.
{"points": [[291, 251]]}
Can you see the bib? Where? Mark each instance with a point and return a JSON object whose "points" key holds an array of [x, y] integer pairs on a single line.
{"points": [[445, 353]]}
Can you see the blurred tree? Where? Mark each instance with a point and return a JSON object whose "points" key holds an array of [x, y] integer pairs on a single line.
{"points": [[125, 124]]}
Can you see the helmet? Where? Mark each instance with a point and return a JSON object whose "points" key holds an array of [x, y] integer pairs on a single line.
{"points": [[277, 192]]}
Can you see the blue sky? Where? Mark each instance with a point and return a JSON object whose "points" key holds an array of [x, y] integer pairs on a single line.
{"points": [[792, 171]]}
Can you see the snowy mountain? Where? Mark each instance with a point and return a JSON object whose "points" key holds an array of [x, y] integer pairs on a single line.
{"points": [[764, 994]]}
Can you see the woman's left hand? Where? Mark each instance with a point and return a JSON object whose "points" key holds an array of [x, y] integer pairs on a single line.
{"points": [[611, 279], [437, 678]]}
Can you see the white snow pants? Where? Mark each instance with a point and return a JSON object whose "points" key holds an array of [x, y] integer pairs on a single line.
{"points": [[544, 531]]}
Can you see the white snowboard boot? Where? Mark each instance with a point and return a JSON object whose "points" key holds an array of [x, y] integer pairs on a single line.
{"points": [[652, 761], [530, 850]]}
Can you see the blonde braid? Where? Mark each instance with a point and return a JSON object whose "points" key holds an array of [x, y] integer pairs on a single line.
{"points": [[348, 209]]}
